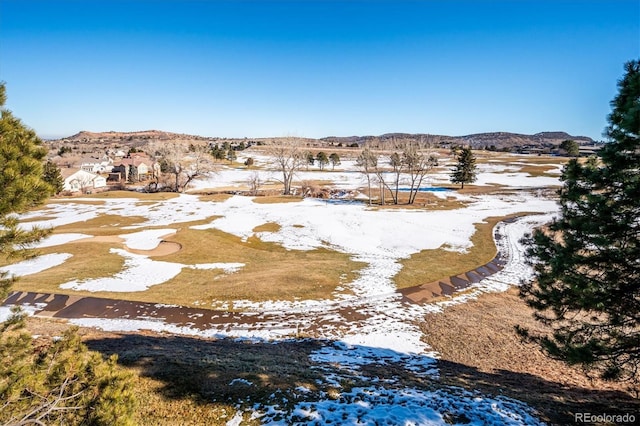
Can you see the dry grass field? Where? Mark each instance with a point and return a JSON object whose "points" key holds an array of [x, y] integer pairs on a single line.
{"points": [[311, 274], [314, 273], [479, 349], [432, 265]]}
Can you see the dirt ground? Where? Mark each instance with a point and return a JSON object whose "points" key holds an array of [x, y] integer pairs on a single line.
{"points": [[480, 350]]}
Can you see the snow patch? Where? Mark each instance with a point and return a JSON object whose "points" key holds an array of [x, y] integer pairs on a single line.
{"points": [[146, 240], [59, 239], [376, 405], [35, 265], [139, 274]]}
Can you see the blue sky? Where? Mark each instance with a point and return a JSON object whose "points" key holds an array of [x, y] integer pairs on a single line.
{"points": [[315, 68]]}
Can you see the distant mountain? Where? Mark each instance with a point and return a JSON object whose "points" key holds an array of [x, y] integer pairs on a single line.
{"points": [[495, 140], [481, 140], [499, 140], [142, 136]]}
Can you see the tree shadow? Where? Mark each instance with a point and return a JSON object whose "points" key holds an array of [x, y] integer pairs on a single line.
{"points": [[242, 373], [556, 402], [214, 370]]}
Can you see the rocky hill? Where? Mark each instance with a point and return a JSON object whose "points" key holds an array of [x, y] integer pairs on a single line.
{"points": [[141, 136], [136, 139], [496, 140], [502, 139]]}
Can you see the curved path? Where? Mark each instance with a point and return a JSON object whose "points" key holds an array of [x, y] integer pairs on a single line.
{"points": [[329, 320], [425, 293]]}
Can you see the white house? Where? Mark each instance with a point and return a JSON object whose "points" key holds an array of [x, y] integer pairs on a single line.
{"points": [[95, 165], [82, 181], [118, 153]]}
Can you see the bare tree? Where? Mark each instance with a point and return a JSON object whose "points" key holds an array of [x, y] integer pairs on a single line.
{"points": [[254, 183], [417, 164], [367, 162], [287, 157], [411, 165], [184, 163], [85, 182], [395, 161]]}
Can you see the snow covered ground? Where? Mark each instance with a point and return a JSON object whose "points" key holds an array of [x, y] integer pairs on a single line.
{"points": [[386, 331], [35, 265], [347, 176], [139, 273]]}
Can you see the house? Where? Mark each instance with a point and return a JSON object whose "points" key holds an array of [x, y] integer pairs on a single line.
{"points": [[118, 153], [588, 150], [96, 165], [134, 168], [82, 181]]}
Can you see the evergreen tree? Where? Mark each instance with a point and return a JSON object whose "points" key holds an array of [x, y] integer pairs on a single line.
{"points": [[570, 147], [465, 169], [334, 159], [310, 159], [63, 150], [62, 383], [322, 159], [131, 173], [218, 153], [231, 155], [53, 177], [587, 262], [23, 186]]}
